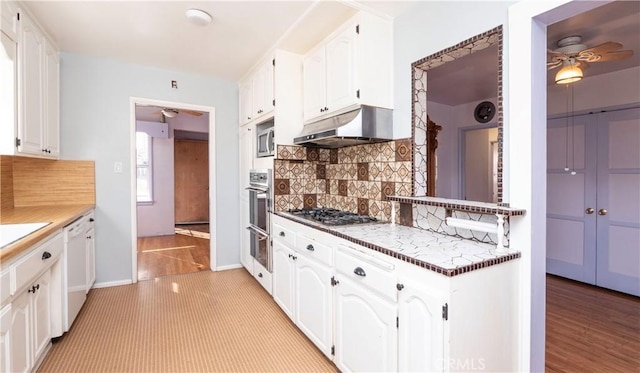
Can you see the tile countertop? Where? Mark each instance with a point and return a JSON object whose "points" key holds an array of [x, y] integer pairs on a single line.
{"points": [[444, 254], [59, 216]]}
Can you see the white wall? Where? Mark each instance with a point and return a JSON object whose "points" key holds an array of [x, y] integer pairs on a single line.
{"points": [[452, 119], [596, 92], [95, 112], [427, 28]]}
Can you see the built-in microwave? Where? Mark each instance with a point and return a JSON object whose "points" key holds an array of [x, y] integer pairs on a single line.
{"points": [[265, 146]]}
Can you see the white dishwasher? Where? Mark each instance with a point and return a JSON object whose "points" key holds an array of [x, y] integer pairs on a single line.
{"points": [[75, 271]]}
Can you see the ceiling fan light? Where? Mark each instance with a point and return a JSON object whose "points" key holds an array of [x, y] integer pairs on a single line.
{"points": [[569, 73], [169, 113], [198, 17]]}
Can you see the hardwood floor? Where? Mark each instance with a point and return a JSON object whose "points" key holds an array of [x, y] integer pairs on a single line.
{"points": [[590, 329], [186, 251]]}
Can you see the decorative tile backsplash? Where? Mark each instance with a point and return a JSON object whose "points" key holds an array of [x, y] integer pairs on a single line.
{"points": [[356, 178]]}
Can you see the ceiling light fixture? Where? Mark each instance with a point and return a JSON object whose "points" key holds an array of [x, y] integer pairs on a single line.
{"points": [[169, 113], [569, 73], [198, 17]]}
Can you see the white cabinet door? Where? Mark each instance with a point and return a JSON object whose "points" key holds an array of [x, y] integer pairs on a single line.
{"points": [[314, 302], [258, 91], [283, 277], [246, 138], [314, 83], [5, 339], [341, 70], [41, 319], [52, 102], [91, 258], [31, 74], [246, 105], [366, 338], [420, 330], [269, 86], [9, 93], [21, 349]]}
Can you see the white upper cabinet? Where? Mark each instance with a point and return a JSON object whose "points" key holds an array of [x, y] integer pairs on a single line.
{"points": [[353, 66], [246, 107], [31, 99], [257, 93], [263, 98]]}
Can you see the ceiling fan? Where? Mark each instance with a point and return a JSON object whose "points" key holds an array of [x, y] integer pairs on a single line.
{"points": [[171, 112], [572, 52]]}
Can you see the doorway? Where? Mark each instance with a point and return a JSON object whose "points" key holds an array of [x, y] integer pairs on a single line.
{"points": [[173, 187], [593, 222], [479, 163]]}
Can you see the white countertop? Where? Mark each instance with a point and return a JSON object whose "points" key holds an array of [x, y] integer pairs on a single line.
{"points": [[12, 232], [444, 251], [450, 254]]}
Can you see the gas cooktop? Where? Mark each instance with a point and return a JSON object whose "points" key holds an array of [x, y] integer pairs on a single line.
{"points": [[329, 216]]}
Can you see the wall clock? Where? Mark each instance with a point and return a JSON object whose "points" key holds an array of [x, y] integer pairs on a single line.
{"points": [[484, 112]]}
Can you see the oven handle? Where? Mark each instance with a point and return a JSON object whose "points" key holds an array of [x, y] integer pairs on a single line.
{"points": [[257, 189], [257, 231]]}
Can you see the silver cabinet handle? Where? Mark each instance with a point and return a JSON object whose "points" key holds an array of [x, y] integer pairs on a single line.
{"points": [[310, 247], [602, 212], [589, 210]]}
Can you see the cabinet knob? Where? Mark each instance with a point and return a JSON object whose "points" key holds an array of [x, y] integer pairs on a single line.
{"points": [[281, 234], [294, 257], [310, 247], [46, 255], [589, 211], [260, 274], [399, 287], [248, 118], [92, 220], [602, 212], [359, 271]]}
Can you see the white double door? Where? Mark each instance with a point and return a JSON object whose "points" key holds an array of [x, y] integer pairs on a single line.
{"points": [[593, 217]]}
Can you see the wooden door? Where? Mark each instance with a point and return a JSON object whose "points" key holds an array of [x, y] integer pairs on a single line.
{"points": [[571, 229], [191, 180], [618, 228]]}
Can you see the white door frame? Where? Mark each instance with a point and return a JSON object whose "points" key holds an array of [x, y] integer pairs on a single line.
{"points": [[524, 161], [133, 101]]}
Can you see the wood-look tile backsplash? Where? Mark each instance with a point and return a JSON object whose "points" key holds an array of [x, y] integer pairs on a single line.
{"points": [[355, 178], [42, 182]]}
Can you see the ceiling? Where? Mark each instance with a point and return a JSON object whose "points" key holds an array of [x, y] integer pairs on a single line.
{"points": [[618, 21], [157, 33]]}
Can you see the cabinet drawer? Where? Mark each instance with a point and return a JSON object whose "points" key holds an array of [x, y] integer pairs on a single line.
{"points": [[26, 269], [314, 249], [284, 235], [5, 288], [376, 274], [263, 276]]}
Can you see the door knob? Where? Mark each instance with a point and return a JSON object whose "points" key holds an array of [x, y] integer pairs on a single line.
{"points": [[589, 211], [602, 212]]}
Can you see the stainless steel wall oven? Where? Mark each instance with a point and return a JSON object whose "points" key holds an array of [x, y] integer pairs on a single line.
{"points": [[259, 223]]}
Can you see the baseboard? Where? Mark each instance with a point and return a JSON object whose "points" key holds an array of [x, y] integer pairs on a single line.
{"points": [[228, 267], [111, 284]]}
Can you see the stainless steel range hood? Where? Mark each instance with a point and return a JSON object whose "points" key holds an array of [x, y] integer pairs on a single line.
{"points": [[365, 124]]}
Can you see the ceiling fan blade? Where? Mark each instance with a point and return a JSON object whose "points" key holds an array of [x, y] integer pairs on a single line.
{"points": [[615, 56], [191, 112], [553, 64], [603, 48]]}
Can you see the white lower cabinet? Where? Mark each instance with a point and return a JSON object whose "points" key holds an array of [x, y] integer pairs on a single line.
{"points": [[314, 302], [283, 277], [5, 338], [420, 328], [370, 312], [30, 324], [365, 330]]}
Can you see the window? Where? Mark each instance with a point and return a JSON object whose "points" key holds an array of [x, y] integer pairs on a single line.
{"points": [[144, 179]]}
